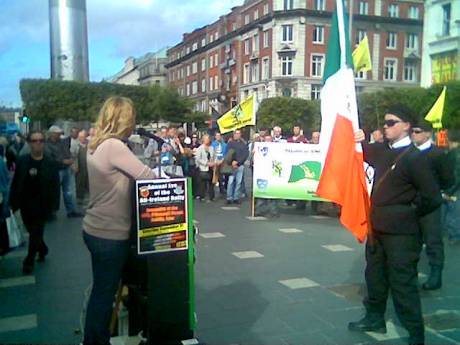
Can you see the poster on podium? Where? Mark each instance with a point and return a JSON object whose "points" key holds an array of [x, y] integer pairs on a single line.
{"points": [[162, 223]]}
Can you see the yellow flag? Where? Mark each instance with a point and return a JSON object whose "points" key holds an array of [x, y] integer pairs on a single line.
{"points": [[240, 116], [362, 56], [435, 114]]}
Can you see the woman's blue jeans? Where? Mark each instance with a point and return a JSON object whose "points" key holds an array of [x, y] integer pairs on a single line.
{"points": [[108, 258]]}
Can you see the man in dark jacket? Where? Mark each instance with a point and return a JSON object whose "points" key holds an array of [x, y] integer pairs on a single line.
{"points": [[404, 190], [431, 223], [452, 194], [35, 192], [241, 153]]}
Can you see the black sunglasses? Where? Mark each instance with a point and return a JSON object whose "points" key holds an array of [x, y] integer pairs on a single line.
{"points": [[417, 131], [37, 141], [391, 123]]}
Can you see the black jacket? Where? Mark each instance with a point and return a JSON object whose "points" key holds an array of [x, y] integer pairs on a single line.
{"points": [[440, 166], [404, 189], [49, 185], [241, 151]]}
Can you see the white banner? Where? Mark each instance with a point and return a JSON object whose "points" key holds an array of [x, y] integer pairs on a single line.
{"points": [[287, 171]]}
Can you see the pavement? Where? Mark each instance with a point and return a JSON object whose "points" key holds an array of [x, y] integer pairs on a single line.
{"points": [[297, 279]]}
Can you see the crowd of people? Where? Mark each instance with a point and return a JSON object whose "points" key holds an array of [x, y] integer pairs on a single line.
{"points": [[416, 194]]}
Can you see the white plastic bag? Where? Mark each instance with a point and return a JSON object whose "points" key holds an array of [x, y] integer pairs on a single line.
{"points": [[16, 238]]}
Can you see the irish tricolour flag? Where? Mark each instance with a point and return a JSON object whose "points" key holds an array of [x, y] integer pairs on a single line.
{"points": [[342, 180]]}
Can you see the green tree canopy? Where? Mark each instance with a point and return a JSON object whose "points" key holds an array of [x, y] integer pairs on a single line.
{"points": [[49, 100]]}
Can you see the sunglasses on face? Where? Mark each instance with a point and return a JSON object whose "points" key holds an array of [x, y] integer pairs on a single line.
{"points": [[33, 141], [417, 131], [391, 123]]}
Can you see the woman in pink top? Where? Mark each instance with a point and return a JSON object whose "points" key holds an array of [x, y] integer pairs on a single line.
{"points": [[111, 169]]}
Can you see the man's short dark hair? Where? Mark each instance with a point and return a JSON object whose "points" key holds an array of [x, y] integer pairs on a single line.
{"points": [[29, 136]]}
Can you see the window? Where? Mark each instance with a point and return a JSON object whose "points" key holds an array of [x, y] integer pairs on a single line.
{"points": [[211, 61], [217, 35], [246, 19], [234, 26], [318, 34], [194, 87], [194, 68], [211, 38], [360, 34], [187, 51], [390, 70], [203, 65], [266, 39], [410, 70], [255, 72], [364, 7], [216, 60], [413, 12], [256, 14], [203, 85], [203, 42], [288, 4], [286, 65], [255, 43], [393, 10], [182, 73], [317, 65], [195, 46], [246, 74], [287, 33], [211, 84], [265, 68], [216, 81], [446, 19], [320, 5], [315, 91], [188, 89], [266, 9], [246, 47], [188, 70], [361, 75], [412, 41], [392, 40]]}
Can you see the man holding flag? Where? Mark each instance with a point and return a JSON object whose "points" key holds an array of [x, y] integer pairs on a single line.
{"points": [[393, 246]]}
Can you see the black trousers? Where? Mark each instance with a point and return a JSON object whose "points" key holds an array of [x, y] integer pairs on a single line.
{"points": [[392, 265], [206, 184], [35, 227], [432, 237]]}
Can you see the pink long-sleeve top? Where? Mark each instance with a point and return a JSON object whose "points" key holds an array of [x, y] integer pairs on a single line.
{"points": [[111, 167]]}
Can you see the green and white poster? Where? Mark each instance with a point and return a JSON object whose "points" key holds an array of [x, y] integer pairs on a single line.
{"points": [[287, 171]]}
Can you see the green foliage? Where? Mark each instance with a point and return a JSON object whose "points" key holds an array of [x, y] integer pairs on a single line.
{"points": [[49, 100], [288, 111]]}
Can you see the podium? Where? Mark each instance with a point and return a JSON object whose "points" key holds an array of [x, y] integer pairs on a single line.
{"points": [[165, 237]]}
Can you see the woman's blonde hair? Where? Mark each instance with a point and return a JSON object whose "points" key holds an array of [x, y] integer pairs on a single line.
{"points": [[117, 119]]}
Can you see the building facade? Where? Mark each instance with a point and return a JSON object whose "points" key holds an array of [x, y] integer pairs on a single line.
{"points": [[277, 48], [441, 44], [147, 70]]}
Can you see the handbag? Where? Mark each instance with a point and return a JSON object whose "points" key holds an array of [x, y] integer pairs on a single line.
{"points": [[15, 236]]}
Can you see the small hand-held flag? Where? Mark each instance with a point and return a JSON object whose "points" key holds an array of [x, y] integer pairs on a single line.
{"points": [[342, 180], [362, 56], [435, 114]]}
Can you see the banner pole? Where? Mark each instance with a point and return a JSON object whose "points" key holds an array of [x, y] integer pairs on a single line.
{"points": [[253, 205]]}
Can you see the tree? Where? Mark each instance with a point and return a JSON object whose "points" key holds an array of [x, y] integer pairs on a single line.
{"points": [[49, 100], [288, 111]]}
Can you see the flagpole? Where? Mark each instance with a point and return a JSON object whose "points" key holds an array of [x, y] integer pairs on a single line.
{"points": [[350, 19]]}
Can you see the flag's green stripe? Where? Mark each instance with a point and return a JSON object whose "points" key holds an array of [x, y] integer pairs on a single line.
{"points": [[333, 48]]}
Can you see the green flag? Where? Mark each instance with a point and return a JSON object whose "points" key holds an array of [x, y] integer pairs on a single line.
{"points": [[306, 170]]}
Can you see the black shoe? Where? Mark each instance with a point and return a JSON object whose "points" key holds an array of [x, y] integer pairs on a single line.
{"points": [[74, 214], [368, 324], [417, 338], [229, 202], [42, 254], [237, 201], [27, 268], [434, 281]]}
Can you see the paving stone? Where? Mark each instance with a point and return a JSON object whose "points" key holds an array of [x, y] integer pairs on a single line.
{"points": [[250, 254], [212, 235], [290, 230], [337, 248], [298, 283]]}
